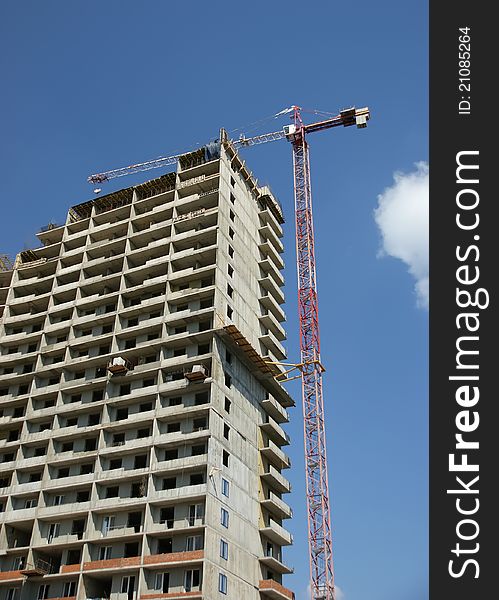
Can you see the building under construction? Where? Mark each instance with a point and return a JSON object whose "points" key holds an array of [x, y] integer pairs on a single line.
{"points": [[141, 439]]}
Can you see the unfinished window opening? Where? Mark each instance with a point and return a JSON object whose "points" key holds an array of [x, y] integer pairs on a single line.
{"points": [[203, 349], [206, 303], [232, 215], [94, 419], [231, 233], [226, 431], [230, 311], [112, 492], [118, 439], [167, 516], [225, 458], [198, 450], [121, 414], [171, 454], [140, 462], [82, 496], [196, 478], [230, 270], [131, 549], [227, 380], [138, 489], [97, 395], [86, 468], [165, 546], [199, 424], [204, 325], [169, 483], [90, 444], [201, 398]]}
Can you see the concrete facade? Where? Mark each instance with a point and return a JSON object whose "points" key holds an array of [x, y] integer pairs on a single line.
{"points": [[141, 439]]}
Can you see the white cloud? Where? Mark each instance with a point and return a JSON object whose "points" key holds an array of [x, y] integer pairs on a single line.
{"points": [[402, 216]]}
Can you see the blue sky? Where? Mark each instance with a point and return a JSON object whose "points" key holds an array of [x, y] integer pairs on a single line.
{"points": [[89, 86]]}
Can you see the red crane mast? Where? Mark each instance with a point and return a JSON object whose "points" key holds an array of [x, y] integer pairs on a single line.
{"points": [[317, 491], [316, 472]]}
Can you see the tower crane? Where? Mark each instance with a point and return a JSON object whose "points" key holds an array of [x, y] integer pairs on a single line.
{"points": [[317, 492]]}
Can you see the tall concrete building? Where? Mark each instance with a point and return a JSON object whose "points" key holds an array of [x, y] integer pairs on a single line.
{"points": [[140, 420]]}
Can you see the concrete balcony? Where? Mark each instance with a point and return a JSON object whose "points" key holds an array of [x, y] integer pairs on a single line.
{"points": [[277, 507], [103, 505], [70, 481], [276, 565], [177, 526], [273, 478], [119, 532], [23, 488], [180, 464], [22, 514], [268, 233], [268, 249], [68, 539], [128, 445], [272, 343], [275, 410], [269, 284], [268, 266], [75, 509], [275, 591], [276, 533], [173, 439], [267, 217], [275, 432], [190, 253], [275, 455], [178, 595], [269, 321], [184, 493], [122, 475]]}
